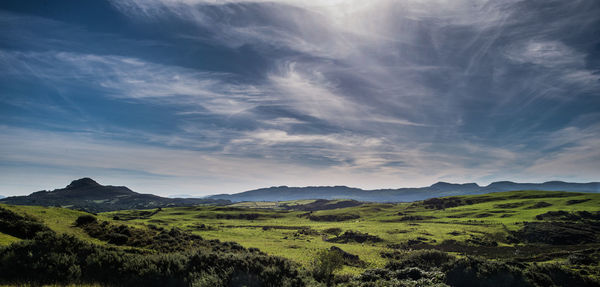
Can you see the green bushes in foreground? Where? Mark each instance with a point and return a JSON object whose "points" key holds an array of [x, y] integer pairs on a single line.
{"points": [[63, 259], [162, 257], [19, 226], [436, 268]]}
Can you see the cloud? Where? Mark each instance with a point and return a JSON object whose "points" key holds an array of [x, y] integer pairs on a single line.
{"points": [[124, 77], [576, 154], [84, 154], [568, 64], [550, 54], [367, 93]]}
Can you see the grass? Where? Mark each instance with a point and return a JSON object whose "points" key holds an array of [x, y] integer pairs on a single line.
{"points": [[276, 231], [272, 204], [58, 219], [291, 234], [6, 239]]}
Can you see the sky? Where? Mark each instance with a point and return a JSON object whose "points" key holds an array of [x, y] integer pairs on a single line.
{"points": [[203, 97]]}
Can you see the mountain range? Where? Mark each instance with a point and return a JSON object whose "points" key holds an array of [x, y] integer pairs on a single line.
{"points": [[282, 193], [86, 194]]}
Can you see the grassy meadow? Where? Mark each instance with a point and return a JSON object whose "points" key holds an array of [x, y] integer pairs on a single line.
{"points": [[292, 234], [522, 227]]}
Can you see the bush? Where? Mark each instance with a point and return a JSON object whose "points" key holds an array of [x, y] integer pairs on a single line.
{"points": [[326, 262], [556, 275], [85, 219], [581, 259], [424, 259], [473, 272], [19, 226], [333, 231], [206, 279], [355, 236], [117, 238], [63, 259]]}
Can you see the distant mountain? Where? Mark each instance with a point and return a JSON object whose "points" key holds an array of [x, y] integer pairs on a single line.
{"points": [[2, 196], [283, 193], [86, 194], [184, 195]]}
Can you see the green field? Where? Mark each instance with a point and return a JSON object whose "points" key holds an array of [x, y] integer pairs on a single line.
{"points": [[518, 226], [293, 235]]}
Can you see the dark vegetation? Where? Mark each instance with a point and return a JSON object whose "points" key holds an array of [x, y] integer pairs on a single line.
{"points": [[19, 226], [333, 231], [569, 216], [348, 258], [49, 258], [62, 259], [576, 201], [436, 268], [323, 204], [333, 217], [415, 217], [355, 236], [454, 201], [559, 233], [511, 205], [246, 216], [154, 238], [136, 214], [325, 264], [540, 204]]}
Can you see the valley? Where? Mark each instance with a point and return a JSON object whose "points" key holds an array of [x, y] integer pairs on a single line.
{"points": [[519, 228]]}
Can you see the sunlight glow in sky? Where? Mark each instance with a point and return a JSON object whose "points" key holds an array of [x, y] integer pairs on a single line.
{"points": [[201, 97]]}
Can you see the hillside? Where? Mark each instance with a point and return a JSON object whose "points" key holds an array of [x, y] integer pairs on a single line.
{"points": [[283, 193], [51, 246], [86, 194], [292, 230], [527, 238]]}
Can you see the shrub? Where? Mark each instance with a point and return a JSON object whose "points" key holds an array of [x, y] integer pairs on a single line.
{"points": [[473, 272], [117, 238], [326, 262], [85, 219], [355, 236], [63, 259], [333, 231], [424, 259], [19, 226], [556, 275], [581, 259]]}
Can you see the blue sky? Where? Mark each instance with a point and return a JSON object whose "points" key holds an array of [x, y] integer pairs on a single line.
{"points": [[201, 97]]}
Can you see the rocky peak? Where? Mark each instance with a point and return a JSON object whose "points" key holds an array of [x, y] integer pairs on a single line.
{"points": [[82, 182]]}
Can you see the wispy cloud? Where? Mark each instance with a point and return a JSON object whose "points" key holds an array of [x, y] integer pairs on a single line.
{"points": [[577, 153], [367, 93], [555, 57], [124, 77]]}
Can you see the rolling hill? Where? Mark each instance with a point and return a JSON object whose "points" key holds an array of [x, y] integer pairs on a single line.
{"points": [[518, 238], [86, 194]]}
